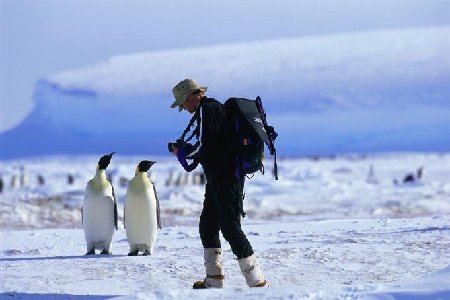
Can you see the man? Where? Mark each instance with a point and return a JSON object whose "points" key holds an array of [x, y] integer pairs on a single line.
{"points": [[222, 206]]}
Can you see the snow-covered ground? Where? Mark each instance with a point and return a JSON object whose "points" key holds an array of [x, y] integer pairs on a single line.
{"points": [[303, 260], [330, 228], [336, 77]]}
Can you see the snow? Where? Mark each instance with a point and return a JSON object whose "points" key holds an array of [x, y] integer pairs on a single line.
{"points": [[357, 90], [366, 62], [66, 35], [323, 231], [304, 260]]}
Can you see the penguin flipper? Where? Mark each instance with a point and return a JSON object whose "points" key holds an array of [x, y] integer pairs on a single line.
{"points": [[158, 214], [115, 206], [115, 215], [124, 216], [158, 218]]}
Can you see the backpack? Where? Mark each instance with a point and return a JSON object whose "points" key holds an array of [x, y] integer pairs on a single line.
{"points": [[249, 132]]}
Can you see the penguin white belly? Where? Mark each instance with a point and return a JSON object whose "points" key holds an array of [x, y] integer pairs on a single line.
{"points": [[140, 218], [98, 220]]}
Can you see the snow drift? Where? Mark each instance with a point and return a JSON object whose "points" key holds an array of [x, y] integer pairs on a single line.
{"points": [[352, 92]]}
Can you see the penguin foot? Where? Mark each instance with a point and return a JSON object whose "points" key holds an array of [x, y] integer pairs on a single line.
{"points": [[105, 252], [90, 252], [133, 253], [146, 253]]}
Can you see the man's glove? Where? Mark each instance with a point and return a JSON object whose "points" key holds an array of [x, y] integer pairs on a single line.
{"points": [[181, 155]]}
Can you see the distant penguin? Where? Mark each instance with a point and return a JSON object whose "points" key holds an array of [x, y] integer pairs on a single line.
{"points": [[70, 179], [123, 181], [1, 184], [14, 182], [99, 211], [23, 181], [171, 179], [178, 180], [196, 179], [202, 178], [410, 178], [189, 179], [371, 178], [40, 179], [141, 212]]}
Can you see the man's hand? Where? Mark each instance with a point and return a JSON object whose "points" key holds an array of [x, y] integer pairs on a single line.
{"points": [[174, 150]]}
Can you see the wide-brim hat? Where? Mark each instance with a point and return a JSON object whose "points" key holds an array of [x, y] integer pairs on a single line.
{"points": [[183, 89]]}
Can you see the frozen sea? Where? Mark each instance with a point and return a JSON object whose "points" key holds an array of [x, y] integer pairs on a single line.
{"points": [[338, 227]]}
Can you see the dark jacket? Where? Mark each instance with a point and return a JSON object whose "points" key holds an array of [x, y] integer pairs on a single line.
{"points": [[212, 147]]}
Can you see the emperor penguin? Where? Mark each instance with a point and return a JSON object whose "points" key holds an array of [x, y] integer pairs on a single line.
{"points": [[413, 178], [141, 212], [99, 211]]}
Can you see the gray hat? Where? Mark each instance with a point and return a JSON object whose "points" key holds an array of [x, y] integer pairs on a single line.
{"points": [[183, 89]]}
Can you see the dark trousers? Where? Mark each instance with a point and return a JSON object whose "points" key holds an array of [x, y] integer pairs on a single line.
{"points": [[222, 209]]}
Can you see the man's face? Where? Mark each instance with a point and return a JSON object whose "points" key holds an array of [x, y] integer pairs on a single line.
{"points": [[191, 102]]}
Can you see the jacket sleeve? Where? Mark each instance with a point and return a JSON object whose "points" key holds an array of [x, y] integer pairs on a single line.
{"points": [[211, 125]]}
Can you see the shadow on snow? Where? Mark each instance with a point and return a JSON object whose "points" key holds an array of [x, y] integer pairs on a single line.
{"points": [[26, 296], [11, 259]]}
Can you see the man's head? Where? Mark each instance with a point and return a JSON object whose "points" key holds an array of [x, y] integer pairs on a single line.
{"points": [[188, 94]]}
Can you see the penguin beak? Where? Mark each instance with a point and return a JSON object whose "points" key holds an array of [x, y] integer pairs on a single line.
{"points": [[151, 163], [144, 166]]}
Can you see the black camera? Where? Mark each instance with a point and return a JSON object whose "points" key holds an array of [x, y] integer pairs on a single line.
{"points": [[170, 146], [179, 144]]}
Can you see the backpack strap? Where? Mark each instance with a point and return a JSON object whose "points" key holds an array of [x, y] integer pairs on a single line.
{"points": [[275, 166], [271, 134], [196, 131]]}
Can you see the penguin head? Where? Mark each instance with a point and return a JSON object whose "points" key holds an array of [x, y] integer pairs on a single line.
{"points": [[144, 166], [104, 161]]}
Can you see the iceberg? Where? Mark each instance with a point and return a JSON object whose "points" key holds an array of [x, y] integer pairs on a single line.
{"points": [[369, 91]]}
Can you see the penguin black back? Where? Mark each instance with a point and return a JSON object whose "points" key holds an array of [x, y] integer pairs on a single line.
{"points": [[104, 161], [145, 165], [420, 172]]}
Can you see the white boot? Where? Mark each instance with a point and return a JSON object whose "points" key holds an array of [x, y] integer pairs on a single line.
{"points": [[214, 273], [252, 272]]}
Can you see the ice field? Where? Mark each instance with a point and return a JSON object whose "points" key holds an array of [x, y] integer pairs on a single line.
{"points": [[330, 228]]}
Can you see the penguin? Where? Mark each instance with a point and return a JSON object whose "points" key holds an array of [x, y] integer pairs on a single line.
{"points": [[123, 181], [70, 179], [141, 212], [170, 181], [40, 179], [202, 178], [99, 211], [196, 179], [412, 178], [23, 180], [371, 176], [14, 181]]}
